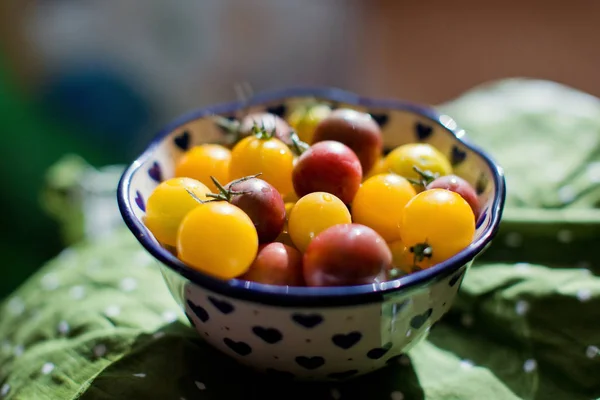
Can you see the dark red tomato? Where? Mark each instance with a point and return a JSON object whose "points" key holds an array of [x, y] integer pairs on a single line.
{"points": [[263, 204], [345, 255], [355, 129], [330, 167], [276, 264], [459, 186], [270, 122]]}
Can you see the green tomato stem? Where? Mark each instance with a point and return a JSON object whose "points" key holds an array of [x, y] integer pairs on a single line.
{"points": [[230, 126], [227, 194], [245, 178], [420, 251], [425, 177], [261, 132], [298, 146], [198, 199]]}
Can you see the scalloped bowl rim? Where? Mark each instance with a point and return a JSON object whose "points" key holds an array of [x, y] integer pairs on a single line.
{"points": [[311, 296]]}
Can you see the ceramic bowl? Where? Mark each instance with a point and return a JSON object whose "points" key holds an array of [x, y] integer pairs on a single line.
{"points": [[327, 333]]}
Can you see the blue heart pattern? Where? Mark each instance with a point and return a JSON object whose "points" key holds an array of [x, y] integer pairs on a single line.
{"points": [[481, 184], [199, 311], [457, 156], [456, 278], [155, 172], [419, 320], [273, 336], [221, 305], [183, 141], [139, 201], [310, 362], [307, 321], [423, 131], [381, 119], [241, 348], [278, 110], [378, 352], [346, 341], [269, 335]]}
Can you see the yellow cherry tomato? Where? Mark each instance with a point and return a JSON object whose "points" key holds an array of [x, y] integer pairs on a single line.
{"points": [[271, 157], [304, 120], [291, 197], [378, 168], [379, 204], [168, 205], [436, 224], [425, 157], [288, 209], [202, 162], [401, 257], [314, 213], [219, 239]]}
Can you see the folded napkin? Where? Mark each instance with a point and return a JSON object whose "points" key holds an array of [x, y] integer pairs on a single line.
{"points": [[98, 322]]}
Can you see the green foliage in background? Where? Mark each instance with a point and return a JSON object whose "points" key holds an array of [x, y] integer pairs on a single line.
{"points": [[31, 141]]}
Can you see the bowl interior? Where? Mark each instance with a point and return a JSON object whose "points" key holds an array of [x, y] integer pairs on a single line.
{"points": [[400, 123]]}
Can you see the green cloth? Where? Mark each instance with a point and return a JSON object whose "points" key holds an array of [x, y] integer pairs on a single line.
{"points": [[98, 322]]}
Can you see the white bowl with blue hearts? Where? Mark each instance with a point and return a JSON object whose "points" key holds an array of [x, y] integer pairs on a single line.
{"points": [[320, 333]]}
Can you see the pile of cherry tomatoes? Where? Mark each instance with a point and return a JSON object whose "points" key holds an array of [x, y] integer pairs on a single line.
{"points": [[312, 200]]}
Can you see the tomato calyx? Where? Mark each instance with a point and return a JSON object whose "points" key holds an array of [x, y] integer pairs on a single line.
{"points": [[260, 132], [425, 177], [420, 252], [228, 194], [297, 146], [230, 126], [224, 194]]}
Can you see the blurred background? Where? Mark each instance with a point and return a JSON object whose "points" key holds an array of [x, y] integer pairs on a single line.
{"points": [[98, 78]]}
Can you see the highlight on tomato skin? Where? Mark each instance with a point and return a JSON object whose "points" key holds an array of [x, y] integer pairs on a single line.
{"points": [[328, 166], [276, 264], [345, 255], [357, 130]]}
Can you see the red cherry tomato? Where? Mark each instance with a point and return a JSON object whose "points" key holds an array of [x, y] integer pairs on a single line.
{"points": [[458, 185], [328, 166], [263, 204], [344, 255], [355, 129], [270, 122], [276, 264]]}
